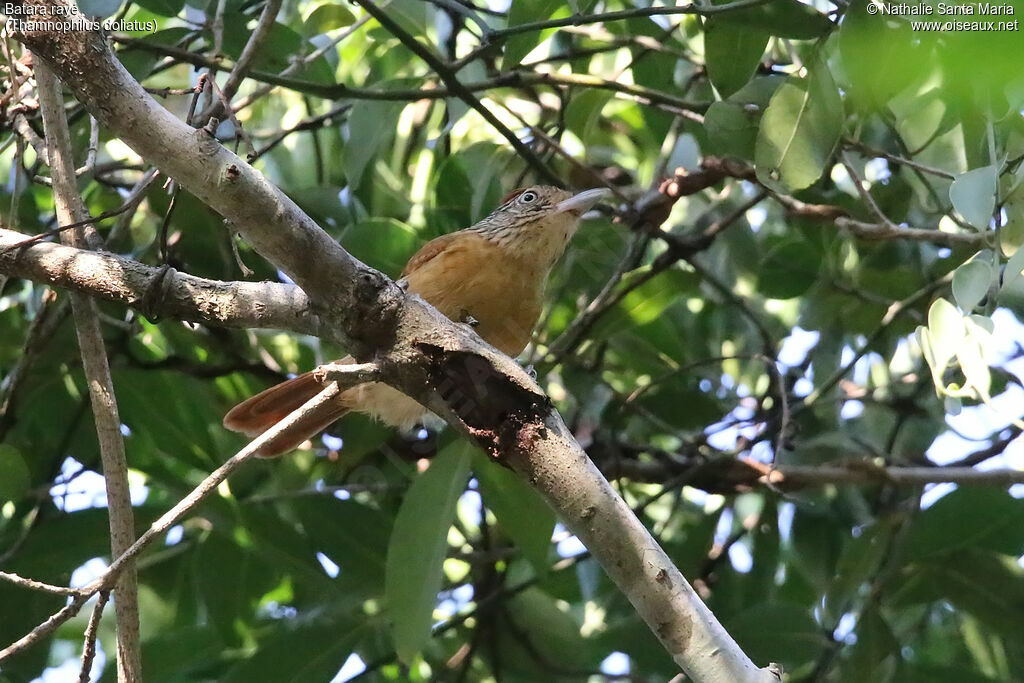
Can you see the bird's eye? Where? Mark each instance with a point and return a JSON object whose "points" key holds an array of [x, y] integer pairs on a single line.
{"points": [[528, 197]]}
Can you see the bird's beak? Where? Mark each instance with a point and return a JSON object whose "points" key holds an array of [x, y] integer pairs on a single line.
{"points": [[582, 202]]}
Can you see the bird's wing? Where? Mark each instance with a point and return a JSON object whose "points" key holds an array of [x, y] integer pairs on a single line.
{"points": [[429, 250]]}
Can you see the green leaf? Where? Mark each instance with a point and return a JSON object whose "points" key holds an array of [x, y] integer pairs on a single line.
{"points": [[180, 653], [968, 518], [583, 113], [793, 639], [788, 270], [732, 53], [327, 17], [551, 631], [971, 283], [520, 510], [230, 580], [799, 130], [1011, 233], [358, 547], [879, 57], [782, 18], [971, 357], [649, 300], [974, 196], [311, 652], [165, 8], [371, 124], [1014, 269], [988, 585], [382, 242], [417, 548], [274, 54], [413, 15], [14, 474], [525, 12], [861, 557], [732, 123], [876, 652]]}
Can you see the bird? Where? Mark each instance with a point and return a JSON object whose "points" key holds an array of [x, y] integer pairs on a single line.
{"points": [[492, 275]]}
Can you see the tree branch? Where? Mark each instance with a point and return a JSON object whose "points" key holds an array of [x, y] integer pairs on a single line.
{"points": [[159, 292], [91, 631], [728, 475]]}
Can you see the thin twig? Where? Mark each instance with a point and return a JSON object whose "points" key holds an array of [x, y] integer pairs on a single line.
{"points": [[241, 67], [515, 79], [131, 202], [91, 631], [32, 584], [25, 130], [896, 159], [890, 315], [297, 64], [165, 522], [598, 179], [863, 192], [463, 93], [94, 143], [217, 27], [622, 15], [306, 124]]}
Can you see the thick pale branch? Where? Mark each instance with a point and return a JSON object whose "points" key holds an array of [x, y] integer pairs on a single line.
{"points": [[158, 291]]}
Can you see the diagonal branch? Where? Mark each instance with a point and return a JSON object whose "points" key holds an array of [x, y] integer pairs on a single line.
{"points": [[245, 60], [165, 522], [456, 86]]}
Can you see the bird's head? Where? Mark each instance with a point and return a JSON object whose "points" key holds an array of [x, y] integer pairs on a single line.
{"points": [[537, 222]]}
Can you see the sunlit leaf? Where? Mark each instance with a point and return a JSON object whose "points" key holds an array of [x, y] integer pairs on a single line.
{"points": [[417, 548], [799, 130], [520, 510], [733, 52], [974, 196], [971, 283], [732, 123], [371, 123], [524, 12], [946, 332], [327, 17]]}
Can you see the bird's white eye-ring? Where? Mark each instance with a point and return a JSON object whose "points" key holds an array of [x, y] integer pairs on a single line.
{"points": [[528, 197]]}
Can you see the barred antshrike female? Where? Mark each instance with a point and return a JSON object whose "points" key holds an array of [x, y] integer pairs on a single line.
{"points": [[493, 272]]}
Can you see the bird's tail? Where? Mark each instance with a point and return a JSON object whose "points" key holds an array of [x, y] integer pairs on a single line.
{"points": [[261, 412]]}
